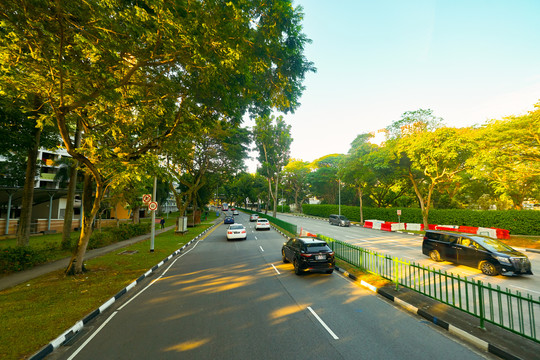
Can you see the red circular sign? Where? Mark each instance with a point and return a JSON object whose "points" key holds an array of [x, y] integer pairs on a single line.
{"points": [[152, 206], [146, 198]]}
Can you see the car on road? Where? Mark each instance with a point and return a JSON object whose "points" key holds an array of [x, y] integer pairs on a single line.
{"points": [[262, 224], [308, 254], [489, 255], [236, 231], [228, 220], [235, 212], [253, 217], [339, 220]]}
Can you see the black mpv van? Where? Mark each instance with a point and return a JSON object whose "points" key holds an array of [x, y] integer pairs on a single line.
{"points": [[489, 255]]}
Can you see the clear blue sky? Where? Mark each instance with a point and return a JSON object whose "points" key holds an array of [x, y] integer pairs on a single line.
{"points": [[468, 61]]}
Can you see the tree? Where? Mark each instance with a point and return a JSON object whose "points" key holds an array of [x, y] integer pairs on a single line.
{"points": [[128, 70], [324, 181], [412, 122], [433, 158], [509, 155], [295, 175], [355, 169], [273, 142], [21, 139], [211, 150]]}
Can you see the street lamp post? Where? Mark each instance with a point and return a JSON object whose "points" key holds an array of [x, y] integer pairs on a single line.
{"points": [[339, 196]]}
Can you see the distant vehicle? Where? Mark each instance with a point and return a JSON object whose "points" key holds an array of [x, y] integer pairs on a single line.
{"points": [[308, 254], [236, 231], [228, 220], [235, 212], [489, 255], [339, 220], [225, 207], [233, 208], [262, 224], [253, 217]]}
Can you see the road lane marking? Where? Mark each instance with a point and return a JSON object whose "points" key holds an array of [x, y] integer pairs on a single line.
{"points": [[323, 323], [276, 269], [261, 248], [92, 336]]}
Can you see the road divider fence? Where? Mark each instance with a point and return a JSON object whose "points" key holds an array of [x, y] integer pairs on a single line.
{"points": [[510, 310]]}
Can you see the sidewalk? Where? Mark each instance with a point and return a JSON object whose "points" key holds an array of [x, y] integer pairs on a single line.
{"points": [[20, 277]]}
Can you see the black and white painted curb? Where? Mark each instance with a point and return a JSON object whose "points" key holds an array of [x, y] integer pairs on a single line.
{"points": [[482, 344], [70, 333]]}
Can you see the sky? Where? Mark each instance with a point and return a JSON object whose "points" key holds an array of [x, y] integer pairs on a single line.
{"points": [[469, 61]]}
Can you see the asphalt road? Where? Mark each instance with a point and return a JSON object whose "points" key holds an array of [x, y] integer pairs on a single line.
{"points": [[409, 248], [236, 300]]}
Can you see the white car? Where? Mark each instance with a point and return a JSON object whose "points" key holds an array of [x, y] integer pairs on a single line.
{"points": [[236, 231], [262, 224]]}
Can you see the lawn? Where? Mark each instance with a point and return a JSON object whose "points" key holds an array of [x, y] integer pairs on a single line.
{"points": [[40, 310]]}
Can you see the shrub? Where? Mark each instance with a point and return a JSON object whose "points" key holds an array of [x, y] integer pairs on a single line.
{"points": [[20, 258]]}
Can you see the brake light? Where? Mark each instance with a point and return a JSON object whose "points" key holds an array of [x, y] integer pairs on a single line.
{"points": [[229, 232], [331, 253], [305, 255], [243, 231]]}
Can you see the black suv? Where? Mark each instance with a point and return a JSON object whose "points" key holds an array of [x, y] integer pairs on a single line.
{"points": [[487, 254], [308, 254]]}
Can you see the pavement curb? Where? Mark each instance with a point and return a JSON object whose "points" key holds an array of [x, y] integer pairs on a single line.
{"points": [[71, 332], [482, 344]]}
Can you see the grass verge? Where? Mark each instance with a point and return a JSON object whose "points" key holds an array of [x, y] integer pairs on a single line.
{"points": [[360, 274], [41, 309]]}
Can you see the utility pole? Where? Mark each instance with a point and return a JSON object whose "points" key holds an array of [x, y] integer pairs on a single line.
{"points": [[339, 196]]}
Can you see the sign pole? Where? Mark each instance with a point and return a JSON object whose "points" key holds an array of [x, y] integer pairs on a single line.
{"points": [[153, 232]]}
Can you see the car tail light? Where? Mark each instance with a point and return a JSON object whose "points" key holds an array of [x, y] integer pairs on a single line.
{"points": [[243, 231], [331, 253], [229, 232], [306, 255]]}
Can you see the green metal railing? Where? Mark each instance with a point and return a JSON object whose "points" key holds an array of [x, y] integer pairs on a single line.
{"points": [[291, 228], [509, 310]]}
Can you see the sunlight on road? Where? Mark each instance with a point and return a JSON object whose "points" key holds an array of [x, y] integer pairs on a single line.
{"points": [[280, 315], [188, 345]]}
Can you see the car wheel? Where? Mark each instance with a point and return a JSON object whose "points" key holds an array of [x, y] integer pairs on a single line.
{"points": [[297, 270], [434, 255], [488, 268], [329, 271], [283, 257]]}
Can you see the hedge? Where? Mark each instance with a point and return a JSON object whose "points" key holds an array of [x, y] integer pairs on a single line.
{"points": [[20, 258], [522, 222]]}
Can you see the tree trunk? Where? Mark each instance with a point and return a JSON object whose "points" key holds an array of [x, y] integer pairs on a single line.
{"points": [[360, 195], [89, 211], [68, 217], [136, 219], [23, 231]]}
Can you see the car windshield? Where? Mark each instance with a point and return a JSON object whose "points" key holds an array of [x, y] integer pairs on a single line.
{"points": [[263, 220], [491, 244], [236, 227], [317, 247], [342, 217]]}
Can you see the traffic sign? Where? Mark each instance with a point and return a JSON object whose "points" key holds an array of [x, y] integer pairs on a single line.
{"points": [[152, 206], [146, 198]]}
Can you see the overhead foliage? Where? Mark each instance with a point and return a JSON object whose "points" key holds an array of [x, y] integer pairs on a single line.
{"points": [[134, 73]]}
